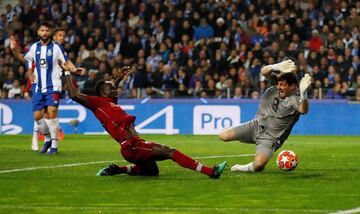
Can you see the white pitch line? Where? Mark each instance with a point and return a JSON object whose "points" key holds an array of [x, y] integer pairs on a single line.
{"points": [[98, 162], [355, 210], [56, 166], [122, 208]]}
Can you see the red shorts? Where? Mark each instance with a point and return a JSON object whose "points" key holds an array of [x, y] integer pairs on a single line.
{"points": [[137, 150]]}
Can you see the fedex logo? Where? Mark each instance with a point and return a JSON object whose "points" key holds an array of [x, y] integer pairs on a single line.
{"points": [[214, 118]]}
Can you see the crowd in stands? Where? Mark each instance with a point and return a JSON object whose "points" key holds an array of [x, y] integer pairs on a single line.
{"points": [[183, 48]]}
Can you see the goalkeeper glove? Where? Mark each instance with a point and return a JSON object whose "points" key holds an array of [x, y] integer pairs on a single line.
{"points": [[284, 66], [304, 86]]}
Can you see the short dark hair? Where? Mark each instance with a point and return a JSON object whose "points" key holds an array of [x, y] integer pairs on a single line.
{"points": [[59, 29], [289, 77], [45, 24], [99, 86]]}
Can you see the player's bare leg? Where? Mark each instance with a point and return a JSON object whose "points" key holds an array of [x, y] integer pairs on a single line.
{"points": [[261, 159], [53, 123], [161, 152]]}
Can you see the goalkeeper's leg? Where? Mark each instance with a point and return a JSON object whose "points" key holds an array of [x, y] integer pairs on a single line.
{"points": [[264, 152]]}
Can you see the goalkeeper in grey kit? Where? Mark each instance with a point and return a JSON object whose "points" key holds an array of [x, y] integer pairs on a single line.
{"points": [[280, 108]]}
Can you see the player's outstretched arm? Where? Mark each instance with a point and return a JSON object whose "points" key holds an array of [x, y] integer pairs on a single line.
{"points": [[304, 86], [15, 50], [73, 69], [284, 67], [73, 93]]}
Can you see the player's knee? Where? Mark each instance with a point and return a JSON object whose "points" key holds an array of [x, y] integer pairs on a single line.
{"points": [[36, 117], [225, 136], [155, 172], [168, 150], [163, 152], [51, 114]]}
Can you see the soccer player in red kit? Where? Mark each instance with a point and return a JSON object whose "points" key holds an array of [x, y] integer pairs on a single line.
{"points": [[120, 126]]}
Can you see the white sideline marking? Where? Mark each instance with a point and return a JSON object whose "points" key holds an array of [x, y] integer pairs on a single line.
{"points": [[121, 208], [97, 162], [355, 210], [56, 166]]}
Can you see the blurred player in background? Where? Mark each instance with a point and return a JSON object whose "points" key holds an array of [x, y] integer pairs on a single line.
{"points": [[279, 110], [59, 38], [120, 126]]}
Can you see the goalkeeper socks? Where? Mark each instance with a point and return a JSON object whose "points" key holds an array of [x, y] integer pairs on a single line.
{"points": [[53, 125], [188, 162], [243, 168], [250, 167]]}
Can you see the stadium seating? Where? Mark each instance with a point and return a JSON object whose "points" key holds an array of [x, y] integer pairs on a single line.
{"points": [[211, 49]]}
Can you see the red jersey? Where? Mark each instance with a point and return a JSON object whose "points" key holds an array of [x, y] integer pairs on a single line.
{"points": [[111, 115]]}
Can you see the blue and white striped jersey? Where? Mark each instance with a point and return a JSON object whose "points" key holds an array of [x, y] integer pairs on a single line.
{"points": [[47, 70]]}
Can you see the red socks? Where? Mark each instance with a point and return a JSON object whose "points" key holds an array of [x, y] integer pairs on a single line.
{"points": [[188, 162]]}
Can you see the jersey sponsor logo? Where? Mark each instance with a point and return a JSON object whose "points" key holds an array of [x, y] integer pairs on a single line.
{"points": [[38, 52], [212, 119], [42, 62]]}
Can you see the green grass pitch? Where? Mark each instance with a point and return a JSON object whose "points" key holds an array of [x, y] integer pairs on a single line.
{"points": [[326, 180]]}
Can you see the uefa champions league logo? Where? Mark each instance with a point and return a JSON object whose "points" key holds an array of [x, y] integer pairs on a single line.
{"points": [[6, 117]]}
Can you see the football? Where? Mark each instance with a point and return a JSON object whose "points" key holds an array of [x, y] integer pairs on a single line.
{"points": [[287, 160]]}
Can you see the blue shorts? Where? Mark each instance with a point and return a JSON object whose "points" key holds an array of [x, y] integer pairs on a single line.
{"points": [[41, 100]]}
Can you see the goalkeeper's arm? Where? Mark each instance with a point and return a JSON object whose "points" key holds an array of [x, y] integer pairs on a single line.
{"points": [[284, 67]]}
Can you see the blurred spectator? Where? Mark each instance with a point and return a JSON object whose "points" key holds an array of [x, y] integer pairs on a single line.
{"points": [[89, 86], [15, 90], [357, 95], [255, 95], [167, 94], [238, 92], [204, 30], [182, 92], [210, 89], [4, 93], [315, 41], [335, 92]]}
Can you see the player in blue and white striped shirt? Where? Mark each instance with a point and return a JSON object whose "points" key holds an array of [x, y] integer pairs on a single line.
{"points": [[46, 56], [59, 38]]}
